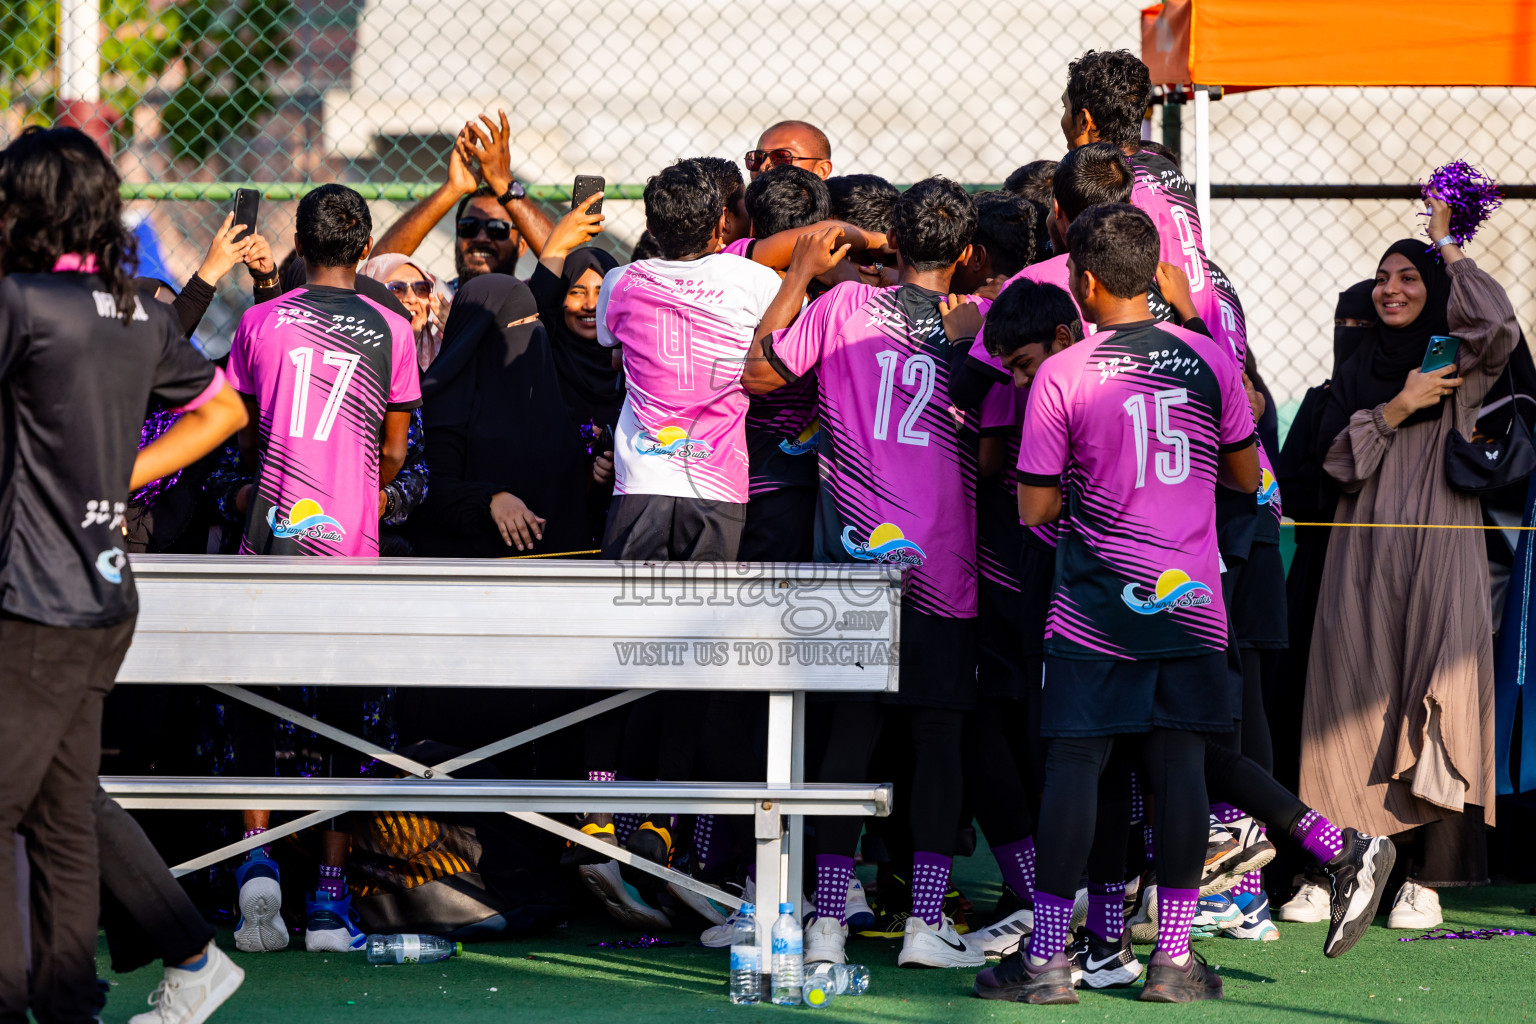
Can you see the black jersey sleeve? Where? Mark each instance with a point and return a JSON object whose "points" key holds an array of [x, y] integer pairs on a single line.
{"points": [[183, 375], [13, 325]]}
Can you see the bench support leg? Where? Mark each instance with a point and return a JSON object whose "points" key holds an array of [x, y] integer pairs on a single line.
{"points": [[771, 866], [796, 822]]}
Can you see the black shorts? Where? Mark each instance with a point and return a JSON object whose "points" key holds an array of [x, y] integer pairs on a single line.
{"points": [[659, 527], [1113, 698], [1001, 656], [780, 526], [938, 662], [1256, 599]]}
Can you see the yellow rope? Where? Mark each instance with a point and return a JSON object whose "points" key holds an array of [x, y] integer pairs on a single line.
{"points": [[1411, 526], [563, 554]]}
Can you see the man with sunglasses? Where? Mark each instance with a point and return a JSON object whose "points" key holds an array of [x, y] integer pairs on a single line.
{"points": [[792, 142], [494, 223]]}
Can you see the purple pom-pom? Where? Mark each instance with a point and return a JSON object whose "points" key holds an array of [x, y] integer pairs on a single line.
{"points": [[1470, 194], [157, 423]]}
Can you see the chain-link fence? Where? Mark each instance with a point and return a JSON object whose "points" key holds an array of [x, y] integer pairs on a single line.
{"points": [[208, 94]]}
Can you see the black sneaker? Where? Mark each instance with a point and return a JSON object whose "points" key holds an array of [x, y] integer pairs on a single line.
{"points": [[1106, 963], [956, 908], [1357, 877], [654, 843], [892, 907], [1167, 982], [1015, 981], [578, 855]]}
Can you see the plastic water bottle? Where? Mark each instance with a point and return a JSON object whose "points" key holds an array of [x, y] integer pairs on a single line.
{"points": [[410, 949], [746, 958], [823, 981], [788, 956]]}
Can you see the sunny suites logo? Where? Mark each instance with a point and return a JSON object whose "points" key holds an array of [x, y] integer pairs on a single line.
{"points": [[1174, 589], [885, 544], [305, 519], [674, 441], [806, 442], [1269, 487]]}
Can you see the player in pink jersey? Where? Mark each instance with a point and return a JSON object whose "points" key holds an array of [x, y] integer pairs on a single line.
{"points": [[330, 378], [898, 476]]}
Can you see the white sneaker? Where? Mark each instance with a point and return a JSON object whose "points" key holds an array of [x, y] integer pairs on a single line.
{"points": [[859, 914], [1309, 906], [826, 941], [1415, 908], [622, 900], [1002, 937], [923, 945], [190, 997], [1079, 911], [1143, 923], [260, 928]]}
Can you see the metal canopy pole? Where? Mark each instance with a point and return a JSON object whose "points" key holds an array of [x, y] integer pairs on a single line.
{"points": [[1203, 165]]}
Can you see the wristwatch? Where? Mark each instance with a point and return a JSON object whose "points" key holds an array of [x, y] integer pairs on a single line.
{"points": [[1442, 243], [514, 191]]}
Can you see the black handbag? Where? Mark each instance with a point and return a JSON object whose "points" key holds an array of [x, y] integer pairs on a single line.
{"points": [[1487, 464]]}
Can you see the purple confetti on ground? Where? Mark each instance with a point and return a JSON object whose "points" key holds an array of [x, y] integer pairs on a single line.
{"points": [[1474, 933], [1470, 194], [643, 942]]}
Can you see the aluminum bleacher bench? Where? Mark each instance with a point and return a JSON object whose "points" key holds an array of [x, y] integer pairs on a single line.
{"points": [[787, 630]]}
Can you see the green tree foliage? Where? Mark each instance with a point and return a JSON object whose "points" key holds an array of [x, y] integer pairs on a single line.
{"points": [[234, 51]]}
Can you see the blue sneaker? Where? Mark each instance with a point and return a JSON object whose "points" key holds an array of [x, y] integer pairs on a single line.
{"points": [[1213, 914], [260, 928], [1255, 923], [330, 926]]}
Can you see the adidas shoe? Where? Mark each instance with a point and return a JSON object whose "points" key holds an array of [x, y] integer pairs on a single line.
{"points": [[260, 928], [859, 914], [1253, 851], [190, 997], [826, 941], [924, 945], [1167, 982], [1105, 963], [1309, 905], [1255, 923], [1213, 914], [1016, 981], [622, 900], [1002, 936], [1356, 879], [330, 925]]}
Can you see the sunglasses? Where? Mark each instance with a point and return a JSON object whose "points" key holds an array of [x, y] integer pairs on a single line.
{"points": [[404, 288], [495, 230], [759, 158]]}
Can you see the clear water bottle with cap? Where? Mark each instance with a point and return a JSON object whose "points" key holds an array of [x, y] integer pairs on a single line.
{"points": [[746, 958], [823, 981], [788, 956], [410, 949]]}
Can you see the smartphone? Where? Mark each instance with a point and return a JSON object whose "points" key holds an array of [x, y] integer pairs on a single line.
{"points": [[1440, 353], [247, 205], [585, 185]]}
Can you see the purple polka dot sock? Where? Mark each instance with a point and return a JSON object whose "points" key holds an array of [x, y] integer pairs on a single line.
{"points": [[600, 776], [1138, 803], [1053, 915], [930, 881], [1106, 910], [832, 875], [1251, 885], [1226, 813], [333, 881], [624, 826], [1319, 837], [1175, 915], [708, 844], [265, 850], [1017, 863], [1146, 841]]}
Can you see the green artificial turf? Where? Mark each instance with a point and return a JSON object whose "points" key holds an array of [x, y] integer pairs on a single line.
{"points": [[559, 977]]}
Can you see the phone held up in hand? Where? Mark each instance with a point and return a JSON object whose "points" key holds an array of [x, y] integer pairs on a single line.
{"points": [[585, 185], [1440, 353], [247, 205]]}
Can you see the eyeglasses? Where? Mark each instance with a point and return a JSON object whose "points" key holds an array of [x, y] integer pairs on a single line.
{"points": [[495, 230], [760, 158], [404, 288]]}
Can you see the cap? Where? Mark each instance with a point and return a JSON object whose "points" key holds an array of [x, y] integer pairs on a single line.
{"points": [[746, 908], [786, 908], [458, 949]]}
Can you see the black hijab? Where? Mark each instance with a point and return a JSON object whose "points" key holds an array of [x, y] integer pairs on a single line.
{"points": [[1379, 368], [495, 381], [592, 387], [1354, 304]]}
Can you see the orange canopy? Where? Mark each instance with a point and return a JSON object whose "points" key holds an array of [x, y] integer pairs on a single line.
{"points": [[1262, 43]]}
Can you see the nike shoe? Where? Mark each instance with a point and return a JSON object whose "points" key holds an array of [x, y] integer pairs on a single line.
{"points": [[924, 945], [330, 925], [859, 914], [190, 997], [1356, 878], [719, 936], [1255, 923], [623, 901], [1105, 964], [1002, 936], [260, 928], [1416, 908], [576, 855], [1213, 914], [1015, 981], [895, 909], [1254, 851], [1309, 905], [826, 941], [1167, 982], [710, 910]]}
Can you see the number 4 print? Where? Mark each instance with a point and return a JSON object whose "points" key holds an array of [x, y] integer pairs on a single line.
{"points": [[303, 358], [1172, 466]]}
